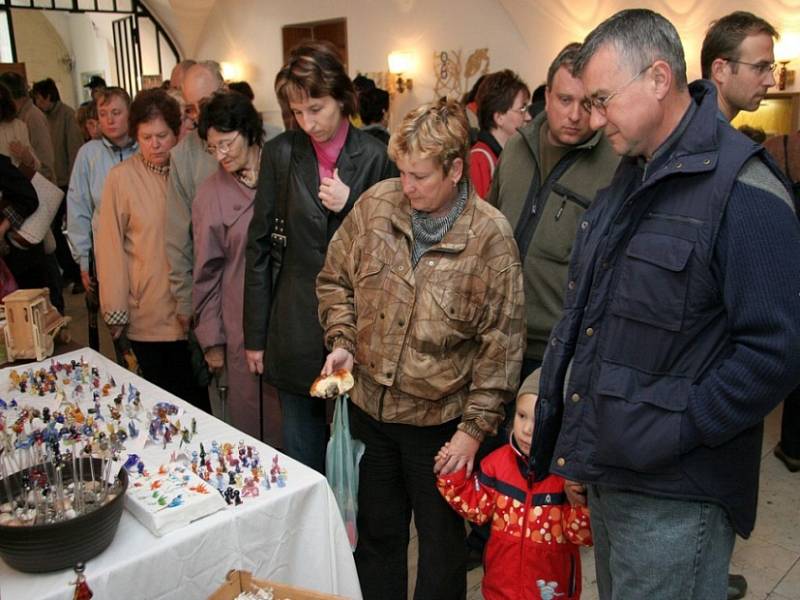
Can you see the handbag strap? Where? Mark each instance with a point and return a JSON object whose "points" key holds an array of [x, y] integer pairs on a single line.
{"points": [[278, 237]]}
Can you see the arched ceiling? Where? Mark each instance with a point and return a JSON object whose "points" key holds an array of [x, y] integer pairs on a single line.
{"points": [[185, 20]]}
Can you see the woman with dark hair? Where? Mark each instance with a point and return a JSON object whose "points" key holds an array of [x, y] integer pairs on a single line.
{"points": [[132, 268], [502, 101], [309, 180], [221, 214], [374, 107]]}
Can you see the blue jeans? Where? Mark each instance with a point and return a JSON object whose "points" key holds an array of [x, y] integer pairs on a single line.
{"points": [[305, 429], [659, 548]]}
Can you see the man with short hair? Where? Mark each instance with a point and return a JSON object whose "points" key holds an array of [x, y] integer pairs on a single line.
{"points": [[38, 129], [738, 56], [92, 164], [680, 329], [548, 176], [179, 72]]}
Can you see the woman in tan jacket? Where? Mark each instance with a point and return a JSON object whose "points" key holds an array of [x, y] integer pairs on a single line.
{"points": [[421, 297], [132, 267]]}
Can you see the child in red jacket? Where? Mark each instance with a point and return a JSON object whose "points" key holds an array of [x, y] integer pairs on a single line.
{"points": [[532, 552]]}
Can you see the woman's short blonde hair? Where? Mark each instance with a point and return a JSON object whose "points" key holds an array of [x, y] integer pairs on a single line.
{"points": [[438, 130]]}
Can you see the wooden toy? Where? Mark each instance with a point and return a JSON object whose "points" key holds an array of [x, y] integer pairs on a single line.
{"points": [[31, 324]]}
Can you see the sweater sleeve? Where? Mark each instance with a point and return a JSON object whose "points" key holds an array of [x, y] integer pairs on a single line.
{"points": [[756, 264], [467, 496], [178, 235], [112, 260], [209, 263], [575, 525], [80, 208]]}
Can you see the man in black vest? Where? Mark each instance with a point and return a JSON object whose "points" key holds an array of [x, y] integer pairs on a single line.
{"points": [[680, 329]]}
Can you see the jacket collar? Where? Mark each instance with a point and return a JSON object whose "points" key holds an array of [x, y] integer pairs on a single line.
{"points": [[697, 149], [305, 161]]}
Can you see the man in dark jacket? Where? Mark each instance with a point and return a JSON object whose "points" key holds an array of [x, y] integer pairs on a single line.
{"points": [[680, 329]]}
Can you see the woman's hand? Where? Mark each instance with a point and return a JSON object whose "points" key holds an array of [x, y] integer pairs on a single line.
{"points": [[255, 361], [333, 192], [339, 358], [459, 452], [215, 358]]}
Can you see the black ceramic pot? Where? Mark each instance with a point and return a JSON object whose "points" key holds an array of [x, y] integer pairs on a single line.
{"points": [[57, 546]]}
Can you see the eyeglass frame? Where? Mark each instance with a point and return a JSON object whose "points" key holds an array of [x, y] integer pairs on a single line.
{"points": [[224, 147], [762, 68], [601, 104]]}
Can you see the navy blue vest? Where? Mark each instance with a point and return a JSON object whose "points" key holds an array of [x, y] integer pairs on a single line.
{"points": [[644, 321]]}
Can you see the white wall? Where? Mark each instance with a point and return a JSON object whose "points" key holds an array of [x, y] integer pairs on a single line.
{"points": [[523, 35], [248, 32]]}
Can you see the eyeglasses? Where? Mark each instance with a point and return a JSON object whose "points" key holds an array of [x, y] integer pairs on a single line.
{"points": [[224, 147], [522, 109], [762, 68], [600, 103]]}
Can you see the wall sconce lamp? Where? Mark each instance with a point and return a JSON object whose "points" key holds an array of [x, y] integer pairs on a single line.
{"points": [[399, 63], [785, 77], [231, 71]]}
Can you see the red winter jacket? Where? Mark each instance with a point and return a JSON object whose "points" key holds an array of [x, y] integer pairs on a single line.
{"points": [[482, 163], [532, 552]]}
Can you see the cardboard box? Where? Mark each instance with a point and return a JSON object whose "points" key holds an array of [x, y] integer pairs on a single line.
{"points": [[242, 581]]}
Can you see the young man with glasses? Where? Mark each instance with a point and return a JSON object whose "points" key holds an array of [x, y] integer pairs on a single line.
{"points": [[738, 57], [679, 328]]}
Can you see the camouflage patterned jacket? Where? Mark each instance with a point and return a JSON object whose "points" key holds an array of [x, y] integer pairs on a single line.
{"points": [[433, 343]]}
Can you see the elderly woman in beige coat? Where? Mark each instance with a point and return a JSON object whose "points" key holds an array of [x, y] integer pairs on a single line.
{"points": [[132, 269]]}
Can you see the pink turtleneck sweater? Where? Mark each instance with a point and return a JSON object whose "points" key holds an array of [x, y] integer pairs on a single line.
{"points": [[328, 152]]}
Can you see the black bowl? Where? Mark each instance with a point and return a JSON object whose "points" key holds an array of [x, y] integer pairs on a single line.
{"points": [[57, 546]]}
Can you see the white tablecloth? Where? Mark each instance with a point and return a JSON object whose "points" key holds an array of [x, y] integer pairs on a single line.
{"points": [[291, 535]]}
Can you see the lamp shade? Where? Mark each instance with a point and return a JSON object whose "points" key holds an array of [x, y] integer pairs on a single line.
{"points": [[399, 62]]}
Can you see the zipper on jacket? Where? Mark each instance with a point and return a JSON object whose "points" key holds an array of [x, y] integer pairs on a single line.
{"points": [[561, 209], [676, 218]]}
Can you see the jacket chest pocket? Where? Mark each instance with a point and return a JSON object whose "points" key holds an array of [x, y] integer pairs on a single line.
{"points": [[653, 280], [555, 234]]}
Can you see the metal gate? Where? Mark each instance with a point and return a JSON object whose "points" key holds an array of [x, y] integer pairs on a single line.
{"points": [[128, 54]]}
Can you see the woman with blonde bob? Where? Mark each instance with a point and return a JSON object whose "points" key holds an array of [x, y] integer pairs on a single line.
{"points": [[421, 296]]}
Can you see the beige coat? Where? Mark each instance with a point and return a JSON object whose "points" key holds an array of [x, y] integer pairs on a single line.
{"points": [[131, 257], [442, 341]]}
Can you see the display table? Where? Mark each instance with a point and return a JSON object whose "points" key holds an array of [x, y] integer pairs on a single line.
{"points": [[291, 535]]}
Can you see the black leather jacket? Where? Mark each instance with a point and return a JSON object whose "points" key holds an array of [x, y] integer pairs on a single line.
{"points": [[284, 321]]}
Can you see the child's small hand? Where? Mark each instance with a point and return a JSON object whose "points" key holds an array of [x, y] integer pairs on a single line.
{"points": [[441, 457]]}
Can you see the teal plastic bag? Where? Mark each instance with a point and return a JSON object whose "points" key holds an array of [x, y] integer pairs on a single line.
{"points": [[341, 466]]}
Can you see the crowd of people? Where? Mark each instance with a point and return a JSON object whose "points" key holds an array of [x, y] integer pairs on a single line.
{"points": [[566, 314]]}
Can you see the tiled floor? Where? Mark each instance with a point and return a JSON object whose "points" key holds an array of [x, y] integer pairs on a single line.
{"points": [[770, 559]]}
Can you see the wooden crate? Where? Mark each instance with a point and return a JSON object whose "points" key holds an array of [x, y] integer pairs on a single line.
{"points": [[242, 581]]}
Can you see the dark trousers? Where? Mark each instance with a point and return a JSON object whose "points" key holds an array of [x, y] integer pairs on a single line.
{"points": [[479, 534], [305, 429], [32, 268], [790, 425], [395, 479], [167, 365], [72, 272]]}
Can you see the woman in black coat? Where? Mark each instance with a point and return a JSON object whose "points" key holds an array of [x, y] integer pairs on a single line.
{"points": [[309, 180]]}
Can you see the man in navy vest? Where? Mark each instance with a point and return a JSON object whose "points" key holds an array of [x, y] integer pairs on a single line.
{"points": [[680, 329]]}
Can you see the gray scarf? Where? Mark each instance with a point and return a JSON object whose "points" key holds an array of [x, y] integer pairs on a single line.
{"points": [[428, 230]]}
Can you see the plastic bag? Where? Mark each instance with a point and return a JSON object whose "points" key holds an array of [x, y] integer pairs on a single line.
{"points": [[341, 465]]}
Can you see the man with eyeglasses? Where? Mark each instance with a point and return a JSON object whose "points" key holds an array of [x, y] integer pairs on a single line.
{"points": [[738, 56], [680, 324]]}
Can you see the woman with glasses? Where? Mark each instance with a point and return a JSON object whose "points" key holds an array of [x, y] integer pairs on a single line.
{"points": [[135, 297], [502, 101], [309, 181], [221, 214]]}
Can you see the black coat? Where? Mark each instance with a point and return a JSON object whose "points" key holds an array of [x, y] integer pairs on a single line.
{"points": [[284, 321]]}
